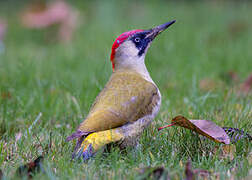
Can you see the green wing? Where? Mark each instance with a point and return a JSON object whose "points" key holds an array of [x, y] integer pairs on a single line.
{"points": [[126, 98]]}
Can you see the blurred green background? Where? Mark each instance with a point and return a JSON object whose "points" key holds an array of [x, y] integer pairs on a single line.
{"points": [[39, 74]]}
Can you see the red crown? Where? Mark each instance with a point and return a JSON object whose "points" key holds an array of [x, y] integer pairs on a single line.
{"points": [[119, 40]]}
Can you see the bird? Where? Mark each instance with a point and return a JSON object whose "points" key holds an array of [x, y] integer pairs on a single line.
{"points": [[129, 101]]}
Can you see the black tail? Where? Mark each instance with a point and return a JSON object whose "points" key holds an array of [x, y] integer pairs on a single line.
{"points": [[81, 136]]}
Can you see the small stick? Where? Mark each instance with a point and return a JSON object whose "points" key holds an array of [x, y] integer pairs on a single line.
{"points": [[166, 126]]}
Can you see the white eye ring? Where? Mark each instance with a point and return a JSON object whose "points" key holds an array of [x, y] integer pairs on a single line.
{"points": [[137, 39]]}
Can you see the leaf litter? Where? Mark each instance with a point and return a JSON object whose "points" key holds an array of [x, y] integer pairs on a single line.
{"points": [[31, 168], [226, 135], [161, 173], [156, 173], [191, 174]]}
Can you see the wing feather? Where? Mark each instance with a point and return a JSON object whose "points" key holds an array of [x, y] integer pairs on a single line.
{"points": [[126, 98]]}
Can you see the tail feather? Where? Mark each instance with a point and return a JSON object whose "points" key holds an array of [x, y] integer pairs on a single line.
{"points": [[81, 136], [78, 145], [79, 151]]}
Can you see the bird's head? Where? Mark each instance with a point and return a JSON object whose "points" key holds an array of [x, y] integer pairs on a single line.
{"points": [[129, 49]]}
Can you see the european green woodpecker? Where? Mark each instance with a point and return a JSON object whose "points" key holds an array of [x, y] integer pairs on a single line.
{"points": [[129, 101]]}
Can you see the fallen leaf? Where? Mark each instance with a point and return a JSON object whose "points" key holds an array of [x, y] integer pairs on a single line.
{"points": [[154, 173], [188, 171], [191, 174], [236, 134], [30, 168], [204, 127]]}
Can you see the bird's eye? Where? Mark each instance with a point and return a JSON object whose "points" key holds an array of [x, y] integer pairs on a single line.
{"points": [[137, 39]]}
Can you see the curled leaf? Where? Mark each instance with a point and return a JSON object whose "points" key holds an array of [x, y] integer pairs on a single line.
{"points": [[204, 127]]}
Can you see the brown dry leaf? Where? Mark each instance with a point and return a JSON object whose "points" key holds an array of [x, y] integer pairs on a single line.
{"points": [[191, 173], [204, 127], [30, 168], [154, 173]]}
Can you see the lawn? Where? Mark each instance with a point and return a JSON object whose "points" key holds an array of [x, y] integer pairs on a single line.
{"points": [[60, 82]]}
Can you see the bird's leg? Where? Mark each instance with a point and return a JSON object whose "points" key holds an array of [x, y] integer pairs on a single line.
{"points": [[132, 131], [127, 134]]}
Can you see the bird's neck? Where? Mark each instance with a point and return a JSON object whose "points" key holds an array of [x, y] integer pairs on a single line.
{"points": [[138, 68]]}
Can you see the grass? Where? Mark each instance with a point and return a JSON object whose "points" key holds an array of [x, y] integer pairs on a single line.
{"points": [[61, 81]]}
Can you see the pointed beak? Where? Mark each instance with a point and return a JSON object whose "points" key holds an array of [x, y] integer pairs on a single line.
{"points": [[158, 29]]}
